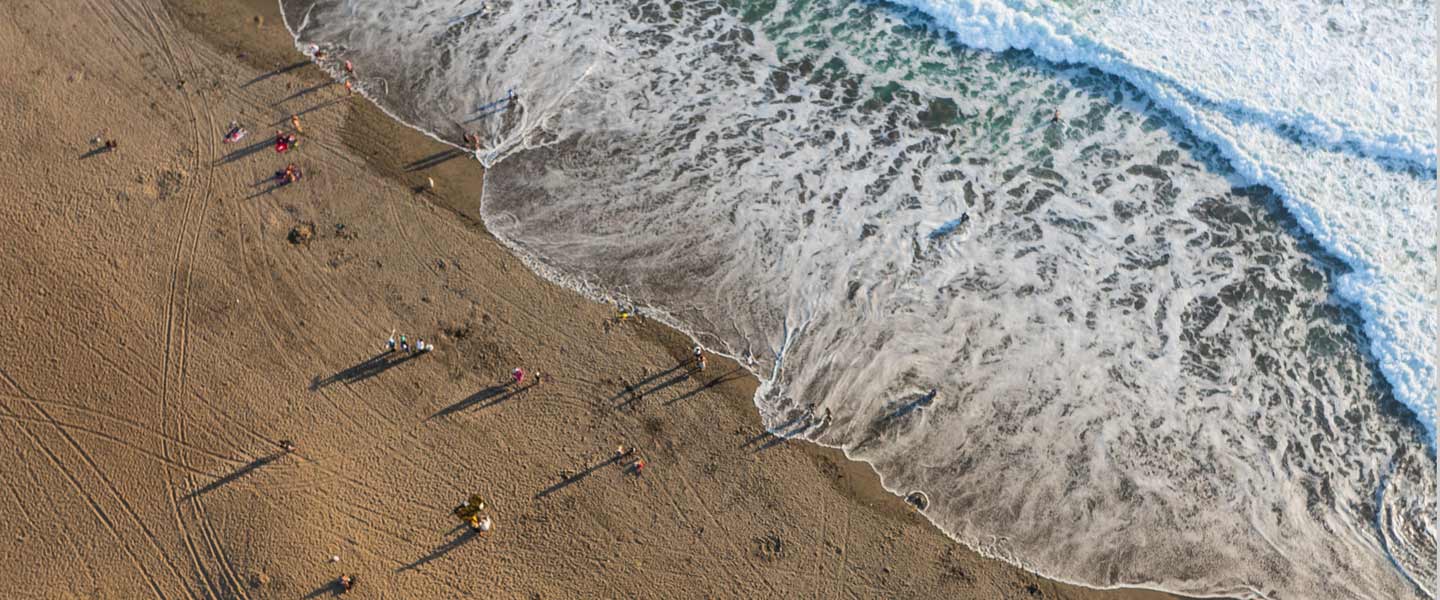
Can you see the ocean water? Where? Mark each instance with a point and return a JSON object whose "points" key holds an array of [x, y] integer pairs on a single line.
{"points": [[1182, 337]]}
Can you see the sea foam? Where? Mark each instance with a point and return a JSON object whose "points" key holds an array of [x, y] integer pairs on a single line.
{"points": [[1313, 101]]}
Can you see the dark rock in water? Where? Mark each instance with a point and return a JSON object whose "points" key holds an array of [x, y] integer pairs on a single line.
{"points": [[1150, 171], [868, 230], [940, 113]]}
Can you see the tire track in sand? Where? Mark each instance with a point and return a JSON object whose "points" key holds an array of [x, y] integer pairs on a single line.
{"points": [[201, 166], [125, 506]]}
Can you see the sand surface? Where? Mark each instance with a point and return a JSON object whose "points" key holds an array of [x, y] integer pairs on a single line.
{"points": [[167, 335]]}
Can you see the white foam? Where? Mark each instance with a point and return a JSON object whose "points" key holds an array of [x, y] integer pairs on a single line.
{"points": [[1354, 80], [1138, 344]]}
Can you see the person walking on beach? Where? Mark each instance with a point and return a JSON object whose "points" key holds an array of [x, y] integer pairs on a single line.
{"points": [[390, 343], [404, 343], [519, 376], [295, 122], [347, 583]]}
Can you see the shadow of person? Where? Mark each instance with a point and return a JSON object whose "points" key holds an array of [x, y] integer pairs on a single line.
{"points": [[490, 396], [441, 550], [333, 588], [365, 369], [573, 479], [237, 474]]}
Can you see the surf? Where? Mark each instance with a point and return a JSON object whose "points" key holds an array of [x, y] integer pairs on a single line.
{"points": [[1124, 325]]}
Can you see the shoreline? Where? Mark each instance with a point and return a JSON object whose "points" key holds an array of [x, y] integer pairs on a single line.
{"points": [[871, 478], [592, 292], [229, 522]]}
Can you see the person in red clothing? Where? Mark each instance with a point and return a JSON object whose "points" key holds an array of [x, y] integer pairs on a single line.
{"points": [[284, 141]]}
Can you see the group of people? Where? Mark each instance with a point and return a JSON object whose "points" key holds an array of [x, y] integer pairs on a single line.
{"points": [[283, 143], [290, 174], [404, 345], [470, 511], [319, 54]]}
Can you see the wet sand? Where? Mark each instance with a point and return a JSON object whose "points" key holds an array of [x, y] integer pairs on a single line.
{"points": [[175, 315]]}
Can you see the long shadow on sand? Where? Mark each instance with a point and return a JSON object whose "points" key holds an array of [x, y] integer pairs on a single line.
{"points": [[280, 71], [333, 588], [95, 152], [441, 550], [637, 390], [731, 375], [435, 159], [286, 120], [782, 433], [305, 92], [573, 479], [241, 472], [483, 399], [366, 369], [246, 151]]}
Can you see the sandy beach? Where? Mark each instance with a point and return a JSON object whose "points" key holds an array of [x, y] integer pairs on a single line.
{"points": [[175, 315]]}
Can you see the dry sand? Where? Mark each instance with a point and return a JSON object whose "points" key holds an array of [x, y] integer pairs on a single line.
{"points": [[166, 335]]}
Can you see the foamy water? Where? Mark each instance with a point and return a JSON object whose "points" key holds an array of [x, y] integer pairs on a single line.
{"points": [[1178, 338]]}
